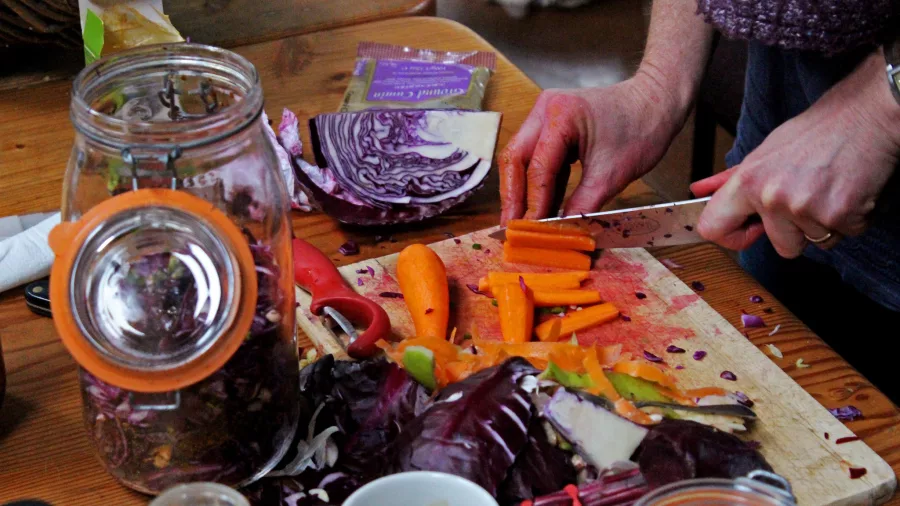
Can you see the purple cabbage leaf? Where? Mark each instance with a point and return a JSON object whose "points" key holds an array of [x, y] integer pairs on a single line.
{"points": [[474, 429], [677, 450]]}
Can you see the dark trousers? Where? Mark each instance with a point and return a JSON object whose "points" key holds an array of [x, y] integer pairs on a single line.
{"points": [[849, 296]]}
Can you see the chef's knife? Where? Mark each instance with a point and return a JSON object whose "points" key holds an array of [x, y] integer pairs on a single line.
{"points": [[640, 227]]}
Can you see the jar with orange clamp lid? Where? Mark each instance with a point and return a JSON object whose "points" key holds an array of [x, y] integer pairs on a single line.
{"points": [[173, 282]]}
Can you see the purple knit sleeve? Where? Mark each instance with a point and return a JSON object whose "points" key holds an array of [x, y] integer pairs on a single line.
{"points": [[827, 26]]}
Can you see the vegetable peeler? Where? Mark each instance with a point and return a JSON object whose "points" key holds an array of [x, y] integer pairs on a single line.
{"points": [[331, 295]]}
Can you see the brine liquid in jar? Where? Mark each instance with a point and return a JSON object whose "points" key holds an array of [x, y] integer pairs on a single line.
{"points": [[173, 280], [759, 488]]}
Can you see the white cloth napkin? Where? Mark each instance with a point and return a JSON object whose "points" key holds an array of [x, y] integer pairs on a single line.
{"points": [[24, 253]]}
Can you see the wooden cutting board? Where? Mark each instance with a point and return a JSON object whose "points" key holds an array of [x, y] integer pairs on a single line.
{"points": [[791, 426]]}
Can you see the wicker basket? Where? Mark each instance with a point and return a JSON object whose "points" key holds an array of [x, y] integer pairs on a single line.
{"points": [[39, 23]]}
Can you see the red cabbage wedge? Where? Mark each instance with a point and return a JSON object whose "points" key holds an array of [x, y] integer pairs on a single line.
{"points": [[383, 167]]}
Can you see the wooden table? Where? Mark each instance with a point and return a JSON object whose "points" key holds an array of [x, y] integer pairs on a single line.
{"points": [[43, 449]]}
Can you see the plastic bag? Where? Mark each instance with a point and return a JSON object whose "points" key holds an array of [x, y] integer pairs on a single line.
{"points": [[398, 77]]}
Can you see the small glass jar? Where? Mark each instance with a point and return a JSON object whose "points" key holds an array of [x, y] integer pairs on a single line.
{"points": [[200, 494], [173, 280], [759, 488]]}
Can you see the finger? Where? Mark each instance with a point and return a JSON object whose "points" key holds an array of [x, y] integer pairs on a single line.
{"points": [[785, 236], [559, 133], [708, 186], [594, 189], [818, 235], [514, 159], [726, 219]]}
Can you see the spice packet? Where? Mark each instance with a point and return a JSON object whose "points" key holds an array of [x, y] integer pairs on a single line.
{"points": [[399, 77], [109, 26]]}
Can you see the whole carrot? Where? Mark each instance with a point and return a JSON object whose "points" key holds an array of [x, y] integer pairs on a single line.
{"points": [[423, 282]]}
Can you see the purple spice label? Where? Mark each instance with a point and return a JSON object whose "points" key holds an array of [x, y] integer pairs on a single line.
{"points": [[411, 81]]}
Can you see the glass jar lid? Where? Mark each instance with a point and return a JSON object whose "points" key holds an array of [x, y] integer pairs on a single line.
{"points": [[151, 289]]}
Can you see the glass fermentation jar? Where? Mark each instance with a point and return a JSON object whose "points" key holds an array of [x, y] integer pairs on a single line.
{"points": [[173, 280], [759, 488]]}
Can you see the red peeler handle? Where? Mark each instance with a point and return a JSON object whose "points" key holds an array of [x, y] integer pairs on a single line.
{"points": [[315, 273]]}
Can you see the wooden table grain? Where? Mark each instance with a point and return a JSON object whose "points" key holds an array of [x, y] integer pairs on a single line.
{"points": [[44, 451]]}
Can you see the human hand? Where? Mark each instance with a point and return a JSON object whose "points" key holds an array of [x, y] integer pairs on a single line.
{"points": [[817, 174], [619, 133]]}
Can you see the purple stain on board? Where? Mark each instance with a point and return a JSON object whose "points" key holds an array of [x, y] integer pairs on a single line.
{"points": [[679, 367], [640, 295], [668, 236], [603, 223], [669, 210], [625, 318], [689, 228], [674, 349], [756, 299], [457, 241], [626, 233], [696, 285], [699, 355], [728, 375], [359, 282]]}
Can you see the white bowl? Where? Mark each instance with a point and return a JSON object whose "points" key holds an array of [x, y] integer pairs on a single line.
{"points": [[421, 488]]}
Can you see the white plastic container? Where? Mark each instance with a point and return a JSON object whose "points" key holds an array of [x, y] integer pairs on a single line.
{"points": [[421, 488]]}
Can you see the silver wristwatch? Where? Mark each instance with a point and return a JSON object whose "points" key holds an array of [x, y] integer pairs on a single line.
{"points": [[892, 57]]}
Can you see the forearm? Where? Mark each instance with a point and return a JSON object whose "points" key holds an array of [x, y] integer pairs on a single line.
{"points": [[678, 47], [867, 93]]}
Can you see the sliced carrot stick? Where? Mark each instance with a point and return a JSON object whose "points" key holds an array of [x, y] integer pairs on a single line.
{"points": [[516, 306], [535, 280], [563, 259], [579, 320], [531, 239], [546, 227], [552, 298], [423, 282], [645, 371], [602, 385]]}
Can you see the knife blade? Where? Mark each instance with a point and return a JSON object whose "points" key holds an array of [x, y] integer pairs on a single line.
{"points": [[669, 224]]}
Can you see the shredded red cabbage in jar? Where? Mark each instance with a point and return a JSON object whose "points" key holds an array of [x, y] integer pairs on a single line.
{"points": [[229, 426]]}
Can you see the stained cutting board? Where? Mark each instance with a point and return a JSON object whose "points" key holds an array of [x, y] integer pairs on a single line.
{"points": [[791, 426]]}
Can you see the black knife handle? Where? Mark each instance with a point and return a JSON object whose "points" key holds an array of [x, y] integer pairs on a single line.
{"points": [[37, 297]]}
